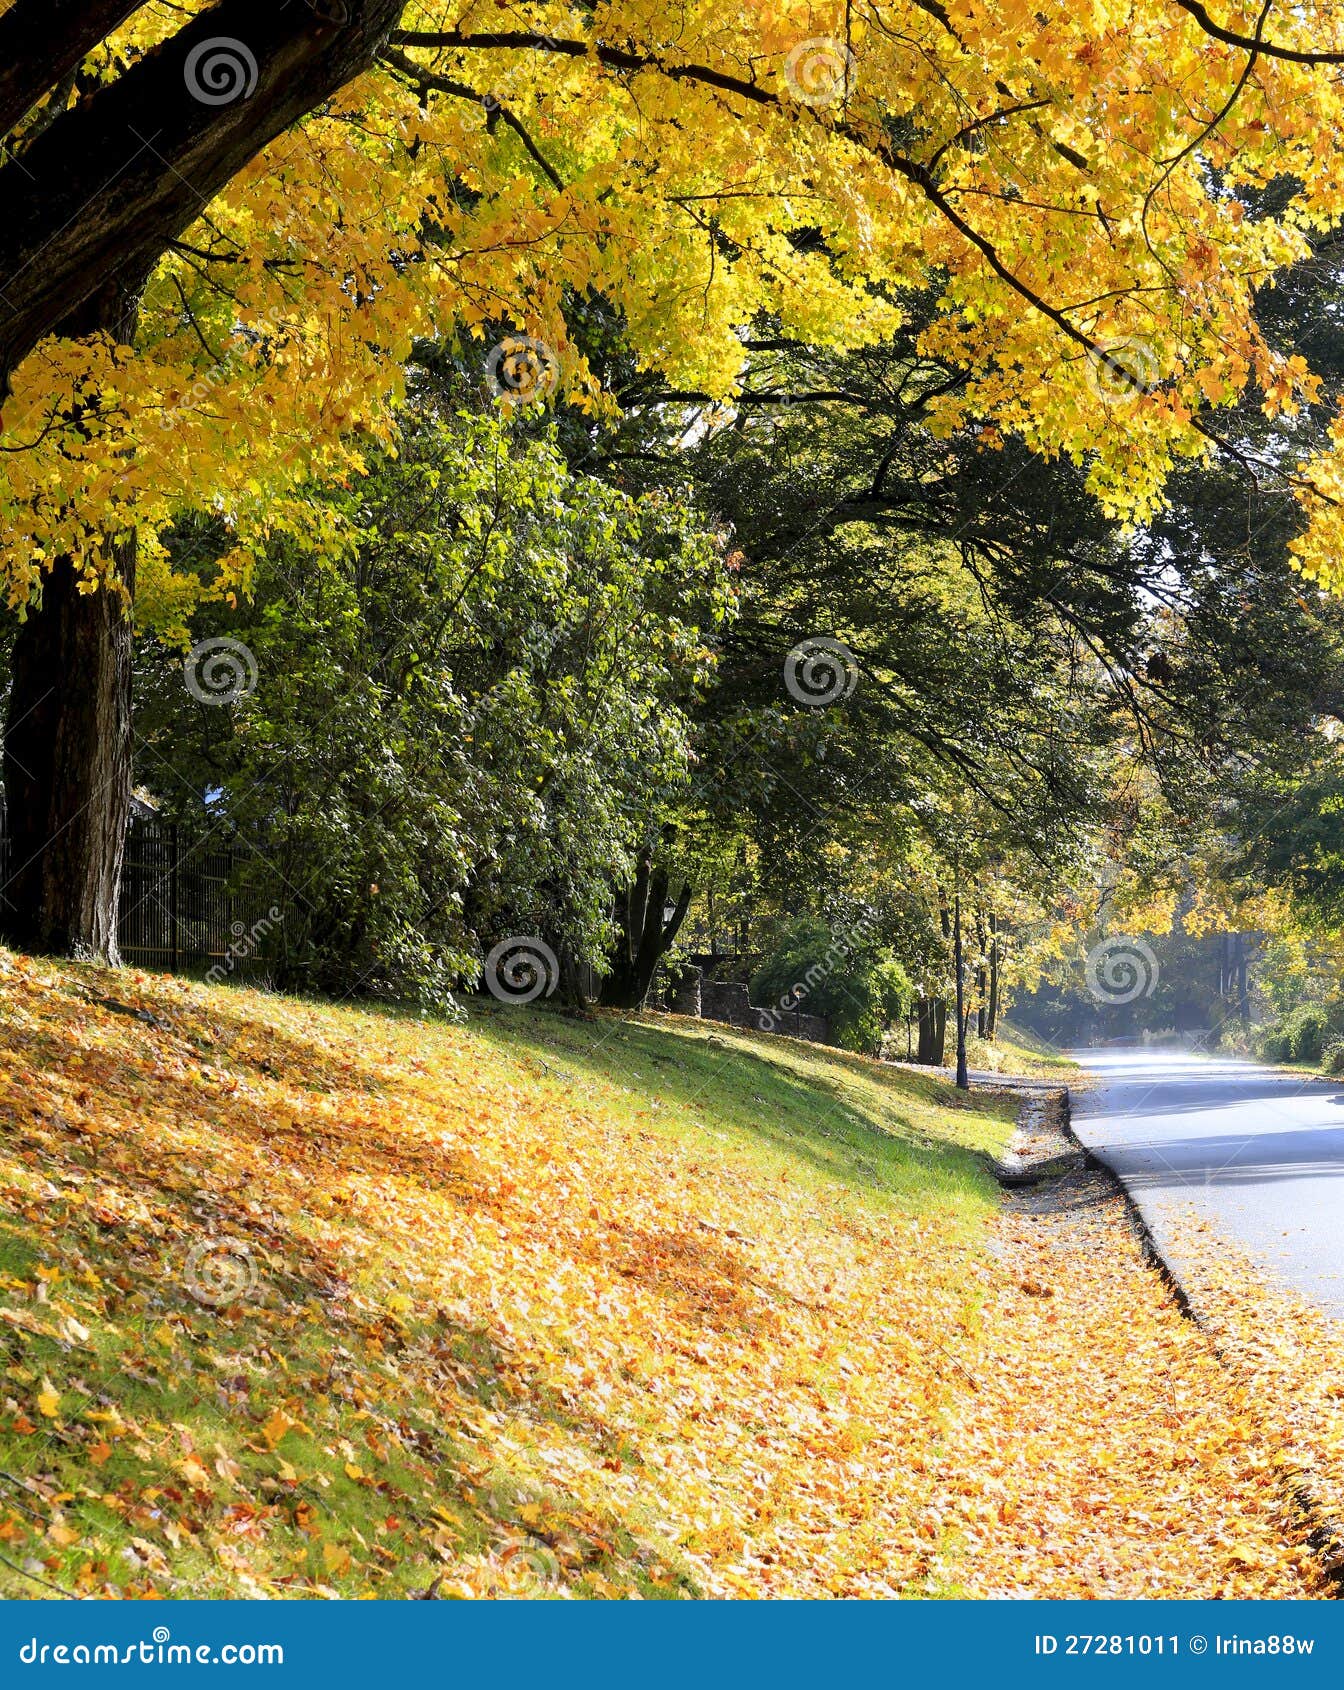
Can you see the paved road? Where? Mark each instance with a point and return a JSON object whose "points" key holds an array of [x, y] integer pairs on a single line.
{"points": [[1258, 1153]]}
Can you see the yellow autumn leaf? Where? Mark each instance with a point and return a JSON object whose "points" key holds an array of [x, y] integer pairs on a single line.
{"points": [[275, 1426]]}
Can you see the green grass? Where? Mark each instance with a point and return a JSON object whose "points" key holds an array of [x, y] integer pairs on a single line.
{"points": [[1017, 1050], [878, 1132]]}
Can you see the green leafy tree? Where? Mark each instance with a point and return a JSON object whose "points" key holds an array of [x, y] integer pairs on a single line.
{"points": [[464, 726], [839, 971]]}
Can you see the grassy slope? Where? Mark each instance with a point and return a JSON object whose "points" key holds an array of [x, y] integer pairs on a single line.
{"points": [[531, 1306], [1017, 1050]]}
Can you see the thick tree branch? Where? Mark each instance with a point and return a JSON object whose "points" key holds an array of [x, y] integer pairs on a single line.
{"points": [[114, 180], [616, 58], [1269, 49], [42, 41]]}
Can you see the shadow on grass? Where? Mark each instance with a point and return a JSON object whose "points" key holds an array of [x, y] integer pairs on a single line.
{"points": [[878, 1131]]}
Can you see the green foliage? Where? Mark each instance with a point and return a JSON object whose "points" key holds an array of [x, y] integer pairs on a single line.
{"points": [[1017, 661], [1303, 1035], [838, 972], [466, 723]]}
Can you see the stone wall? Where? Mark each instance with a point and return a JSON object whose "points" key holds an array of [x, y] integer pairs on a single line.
{"points": [[691, 993]]}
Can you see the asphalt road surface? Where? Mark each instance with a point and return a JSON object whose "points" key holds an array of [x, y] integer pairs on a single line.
{"points": [[1260, 1154]]}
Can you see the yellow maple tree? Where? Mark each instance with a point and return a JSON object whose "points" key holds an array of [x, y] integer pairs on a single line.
{"points": [[214, 314], [1081, 182]]}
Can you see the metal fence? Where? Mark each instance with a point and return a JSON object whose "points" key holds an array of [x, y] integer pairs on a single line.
{"points": [[182, 907]]}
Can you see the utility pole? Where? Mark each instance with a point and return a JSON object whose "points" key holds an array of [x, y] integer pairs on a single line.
{"points": [[963, 1072]]}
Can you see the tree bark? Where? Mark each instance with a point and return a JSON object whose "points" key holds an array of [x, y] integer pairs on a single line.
{"points": [[932, 1024], [992, 1027], [573, 985], [933, 1011], [67, 767], [1243, 982], [42, 41], [924, 1021], [644, 936], [67, 753]]}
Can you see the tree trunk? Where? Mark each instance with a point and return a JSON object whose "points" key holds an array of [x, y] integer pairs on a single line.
{"points": [[67, 754], [938, 1052], [992, 1027], [924, 1025], [1243, 983], [644, 936], [930, 1017], [67, 768], [573, 981], [959, 968]]}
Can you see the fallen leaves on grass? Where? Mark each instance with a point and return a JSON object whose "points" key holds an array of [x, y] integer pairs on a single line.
{"points": [[1286, 1354], [308, 1301], [316, 1301]]}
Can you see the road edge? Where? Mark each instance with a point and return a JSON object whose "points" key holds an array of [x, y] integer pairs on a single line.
{"points": [[1325, 1534]]}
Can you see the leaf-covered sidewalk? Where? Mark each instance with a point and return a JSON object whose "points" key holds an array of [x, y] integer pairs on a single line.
{"points": [[1108, 1452]]}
